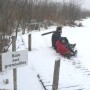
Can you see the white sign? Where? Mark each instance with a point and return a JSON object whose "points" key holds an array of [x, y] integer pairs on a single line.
{"points": [[15, 59]]}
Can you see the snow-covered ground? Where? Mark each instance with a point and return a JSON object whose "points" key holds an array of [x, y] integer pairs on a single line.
{"points": [[41, 60]]}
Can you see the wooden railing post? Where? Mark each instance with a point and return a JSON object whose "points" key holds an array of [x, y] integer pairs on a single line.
{"points": [[56, 75], [0, 63], [29, 42]]}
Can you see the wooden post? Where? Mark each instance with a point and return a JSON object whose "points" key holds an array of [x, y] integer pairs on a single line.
{"points": [[0, 63], [14, 70], [29, 42], [39, 26], [56, 75]]}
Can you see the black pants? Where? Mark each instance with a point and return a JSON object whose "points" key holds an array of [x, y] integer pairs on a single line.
{"points": [[65, 41]]}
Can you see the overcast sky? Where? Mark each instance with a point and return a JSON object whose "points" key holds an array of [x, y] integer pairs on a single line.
{"points": [[85, 3]]}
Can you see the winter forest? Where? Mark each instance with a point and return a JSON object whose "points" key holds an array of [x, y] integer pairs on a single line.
{"points": [[16, 15]]}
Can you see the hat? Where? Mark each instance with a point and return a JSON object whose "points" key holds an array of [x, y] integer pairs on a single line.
{"points": [[59, 28]]}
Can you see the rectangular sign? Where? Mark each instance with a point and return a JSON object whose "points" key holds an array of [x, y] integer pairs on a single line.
{"points": [[14, 59]]}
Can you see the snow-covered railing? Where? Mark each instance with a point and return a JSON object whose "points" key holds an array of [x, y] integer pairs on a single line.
{"points": [[47, 33], [55, 83]]}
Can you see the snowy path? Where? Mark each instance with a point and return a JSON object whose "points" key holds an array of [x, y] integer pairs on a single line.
{"points": [[42, 57], [68, 81]]}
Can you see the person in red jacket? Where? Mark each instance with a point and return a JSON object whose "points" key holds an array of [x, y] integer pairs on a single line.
{"points": [[57, 36]]}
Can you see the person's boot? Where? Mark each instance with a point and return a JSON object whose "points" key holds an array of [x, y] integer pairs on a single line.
{"points": [[67, 55], [75, 53], [73, 45]]}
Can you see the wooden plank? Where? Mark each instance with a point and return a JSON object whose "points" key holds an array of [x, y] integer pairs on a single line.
{"points": [[48, 33]]}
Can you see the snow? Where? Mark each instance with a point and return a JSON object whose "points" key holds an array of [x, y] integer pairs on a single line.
{"points": [[74, 74]]}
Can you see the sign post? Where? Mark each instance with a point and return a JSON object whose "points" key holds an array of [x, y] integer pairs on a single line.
{"points": [[14, 70], [13, 60]]}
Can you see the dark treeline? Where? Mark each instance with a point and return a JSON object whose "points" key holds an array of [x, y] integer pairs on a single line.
{"points": [[21, 13]]}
